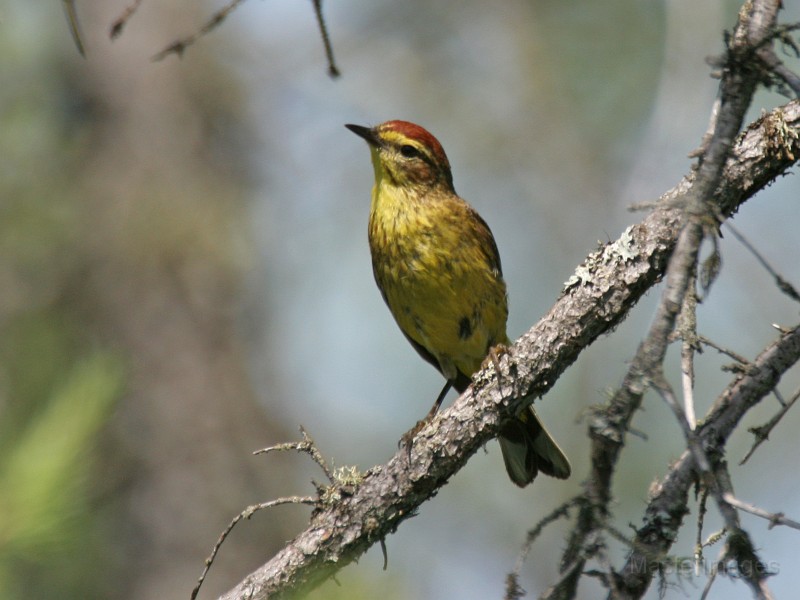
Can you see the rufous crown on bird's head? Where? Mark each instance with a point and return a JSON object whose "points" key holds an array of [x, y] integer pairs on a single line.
{"points": [[419, 134], [408, 152]]}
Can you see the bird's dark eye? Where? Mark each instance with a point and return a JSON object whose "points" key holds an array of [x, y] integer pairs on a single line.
{"points": [[409, 151]]}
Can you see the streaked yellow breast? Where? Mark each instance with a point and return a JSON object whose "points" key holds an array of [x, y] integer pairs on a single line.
{"points": [[433, 267]]}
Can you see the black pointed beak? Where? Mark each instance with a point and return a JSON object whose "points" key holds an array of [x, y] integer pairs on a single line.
{"points": [[365, 132]]}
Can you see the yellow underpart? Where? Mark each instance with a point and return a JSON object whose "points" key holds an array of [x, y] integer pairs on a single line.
{"points": [[433, 261]]}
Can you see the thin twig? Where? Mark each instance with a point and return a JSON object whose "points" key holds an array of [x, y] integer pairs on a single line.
{"points": [[307, 446], [514, 590], [762, 432], [698, 545], [693, 442], [783, 285], [74, 25], [739, 546], [608, 570], [783, 77], [385, 554], [687, 326], [788, 76], [687, 379], [560, 512], [712, 577], [568, 581], [246, 514], [710, 343], [773, 518], [179, 46], [333, 70], [119, 23]]}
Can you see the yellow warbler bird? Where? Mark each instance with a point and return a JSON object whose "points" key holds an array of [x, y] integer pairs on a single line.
{"points": [[437, 266]]}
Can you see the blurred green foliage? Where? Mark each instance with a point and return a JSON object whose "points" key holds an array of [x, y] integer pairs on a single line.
{"points": [[45, 504]]}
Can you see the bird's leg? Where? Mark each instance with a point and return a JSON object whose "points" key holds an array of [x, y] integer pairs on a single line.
{"points": [[408, 437], [436, 405], [495, 352]]}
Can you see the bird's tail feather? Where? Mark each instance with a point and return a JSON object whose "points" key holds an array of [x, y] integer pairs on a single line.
{"points": [[528, 448]]}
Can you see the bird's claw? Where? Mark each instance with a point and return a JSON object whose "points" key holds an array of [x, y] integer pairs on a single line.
{"points": [[493, 357], [407, 439]]}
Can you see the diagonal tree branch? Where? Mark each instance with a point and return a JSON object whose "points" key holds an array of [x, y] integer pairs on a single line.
{"points": [[600, 294]]}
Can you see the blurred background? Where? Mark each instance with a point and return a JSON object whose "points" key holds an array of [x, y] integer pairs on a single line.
{"points": [[185, 278]]}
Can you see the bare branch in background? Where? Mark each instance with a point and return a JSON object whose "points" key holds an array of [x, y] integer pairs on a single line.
{"points": [[783, 285], [773, 518], [333, 70], [762, 432], [119, 23], [668, 502], [180, 45], [74, 25]]}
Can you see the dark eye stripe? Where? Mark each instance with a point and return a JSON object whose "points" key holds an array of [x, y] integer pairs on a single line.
{"points": [[409, 151]]}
